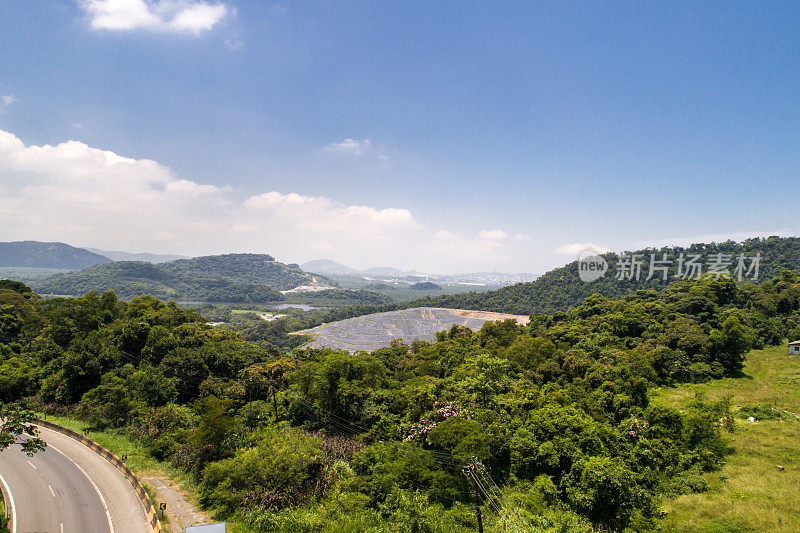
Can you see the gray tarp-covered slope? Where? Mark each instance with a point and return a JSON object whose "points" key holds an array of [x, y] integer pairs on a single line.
{"points": [[375, 331]]}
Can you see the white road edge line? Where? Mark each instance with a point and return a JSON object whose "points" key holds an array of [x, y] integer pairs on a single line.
{"points": [[11, 502], [61, 524], [97, 490], [51, 490]]}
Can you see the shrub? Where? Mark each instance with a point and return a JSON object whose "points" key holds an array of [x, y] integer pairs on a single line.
{"points": [[604, 489], [760, 412], [279, 472]]}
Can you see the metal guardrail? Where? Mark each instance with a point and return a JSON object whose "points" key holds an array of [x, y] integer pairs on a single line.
{"points": [[144, 498]]}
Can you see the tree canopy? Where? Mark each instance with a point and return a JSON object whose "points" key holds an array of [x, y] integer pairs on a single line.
{"points": [[558, 411]]}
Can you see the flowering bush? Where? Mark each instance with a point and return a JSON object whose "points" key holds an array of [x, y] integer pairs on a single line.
{"points": [[442, 411], [635, 428]]}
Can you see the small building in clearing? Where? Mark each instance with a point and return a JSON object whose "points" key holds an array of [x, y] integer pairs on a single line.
{"points": [[794, 347]]}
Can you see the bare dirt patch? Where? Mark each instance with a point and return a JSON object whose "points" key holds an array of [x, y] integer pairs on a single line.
{"points": [[181, 512], [490, 315]]}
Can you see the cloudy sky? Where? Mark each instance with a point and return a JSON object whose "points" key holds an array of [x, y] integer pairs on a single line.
{"points": [[441, 136]]}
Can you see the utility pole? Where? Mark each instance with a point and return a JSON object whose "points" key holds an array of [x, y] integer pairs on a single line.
{"points": [[470, 471]]}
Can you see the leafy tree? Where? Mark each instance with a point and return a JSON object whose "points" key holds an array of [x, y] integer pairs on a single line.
{"points": [[215, 429], [604, 489], [10, 323], [16, 421], [730, 344], [151, 387], [110, 402], [17, 379]]}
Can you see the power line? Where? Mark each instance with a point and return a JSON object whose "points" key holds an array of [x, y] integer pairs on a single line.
{"points": [[494, 496], [471, 467]]}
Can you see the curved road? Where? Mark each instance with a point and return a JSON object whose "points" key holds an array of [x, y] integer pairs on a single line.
{"points": [[68, 488]]}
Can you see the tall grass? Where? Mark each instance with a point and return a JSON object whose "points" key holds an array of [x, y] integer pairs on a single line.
{"points": [[751, 492]]}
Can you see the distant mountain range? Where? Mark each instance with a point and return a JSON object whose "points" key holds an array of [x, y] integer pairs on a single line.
{"points": [[218, 278], [562, 288], [390, 271], [327, 267], [61, 256], [260, 278], [117, 255], [56, 255]]}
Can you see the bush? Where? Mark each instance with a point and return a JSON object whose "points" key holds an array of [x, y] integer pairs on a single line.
{"points": [[760, 412], [604, 489], [279, 472]]}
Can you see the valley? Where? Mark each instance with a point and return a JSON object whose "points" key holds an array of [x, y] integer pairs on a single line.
{"points": [[572, 398], [393, 267]]}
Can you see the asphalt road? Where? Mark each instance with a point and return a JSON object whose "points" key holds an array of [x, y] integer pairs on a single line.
{"points": [[68, 488]]}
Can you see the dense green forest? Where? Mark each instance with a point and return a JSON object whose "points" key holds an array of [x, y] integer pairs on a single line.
{"points": [[245, 268], [219, 278], [338, 298], [556, 413], [561, 288]]}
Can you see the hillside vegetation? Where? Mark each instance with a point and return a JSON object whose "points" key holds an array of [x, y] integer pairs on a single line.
{"points": [[54, 255], [559, 411], [219, 278], [561, 288]]}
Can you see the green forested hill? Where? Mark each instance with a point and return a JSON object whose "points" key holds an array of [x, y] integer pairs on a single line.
{"points": [[561, 288], [245, 268], [34, 254], [555, 421], [220, 278]]}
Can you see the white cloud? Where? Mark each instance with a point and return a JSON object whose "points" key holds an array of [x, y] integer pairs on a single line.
{"points": [[349, 146], [187, 16], [577, 247], [234, 44], [493, 235], [86, 196], [485, 247], [522, 237], [6, 101], [321, 216]]}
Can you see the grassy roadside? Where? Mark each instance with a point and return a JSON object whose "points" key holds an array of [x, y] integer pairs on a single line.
{"points": [[138, 460], [3, 519], [751, 492]]}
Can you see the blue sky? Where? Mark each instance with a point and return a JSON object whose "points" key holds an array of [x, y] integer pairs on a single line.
{"points": [[446, 136]]}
